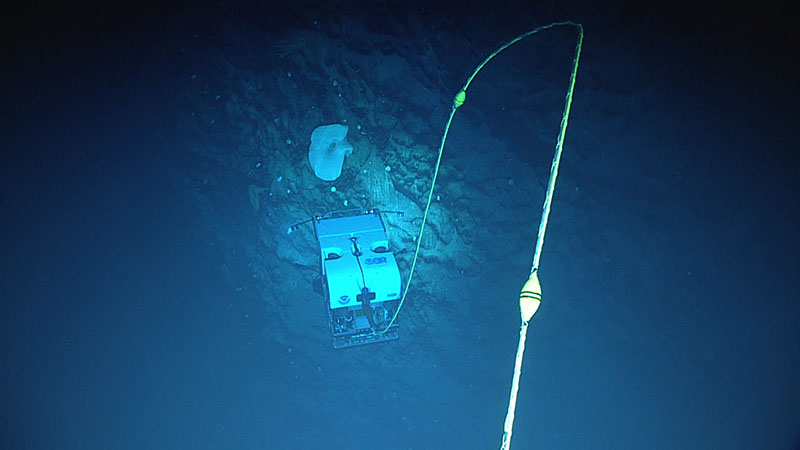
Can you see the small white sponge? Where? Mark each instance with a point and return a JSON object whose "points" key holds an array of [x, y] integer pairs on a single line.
{"points": [[328, 148]]}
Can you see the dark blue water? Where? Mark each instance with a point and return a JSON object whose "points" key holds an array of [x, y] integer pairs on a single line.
{"points": [[147, 304]]}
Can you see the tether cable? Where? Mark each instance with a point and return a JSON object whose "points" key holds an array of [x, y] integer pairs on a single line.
{"points": [[531, 295]]}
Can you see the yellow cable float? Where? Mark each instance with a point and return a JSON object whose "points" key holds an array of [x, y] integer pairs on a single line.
{"points": [[530, 298]]}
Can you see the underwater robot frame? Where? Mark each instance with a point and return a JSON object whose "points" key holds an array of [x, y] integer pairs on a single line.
{"points": [[360, 278]]}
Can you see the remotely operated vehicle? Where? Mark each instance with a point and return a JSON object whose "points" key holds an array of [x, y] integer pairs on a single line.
{"points": [[360, 278]]}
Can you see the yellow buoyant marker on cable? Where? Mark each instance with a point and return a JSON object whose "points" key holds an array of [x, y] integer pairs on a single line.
{"points": [[530, 298], [461, 97]]}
